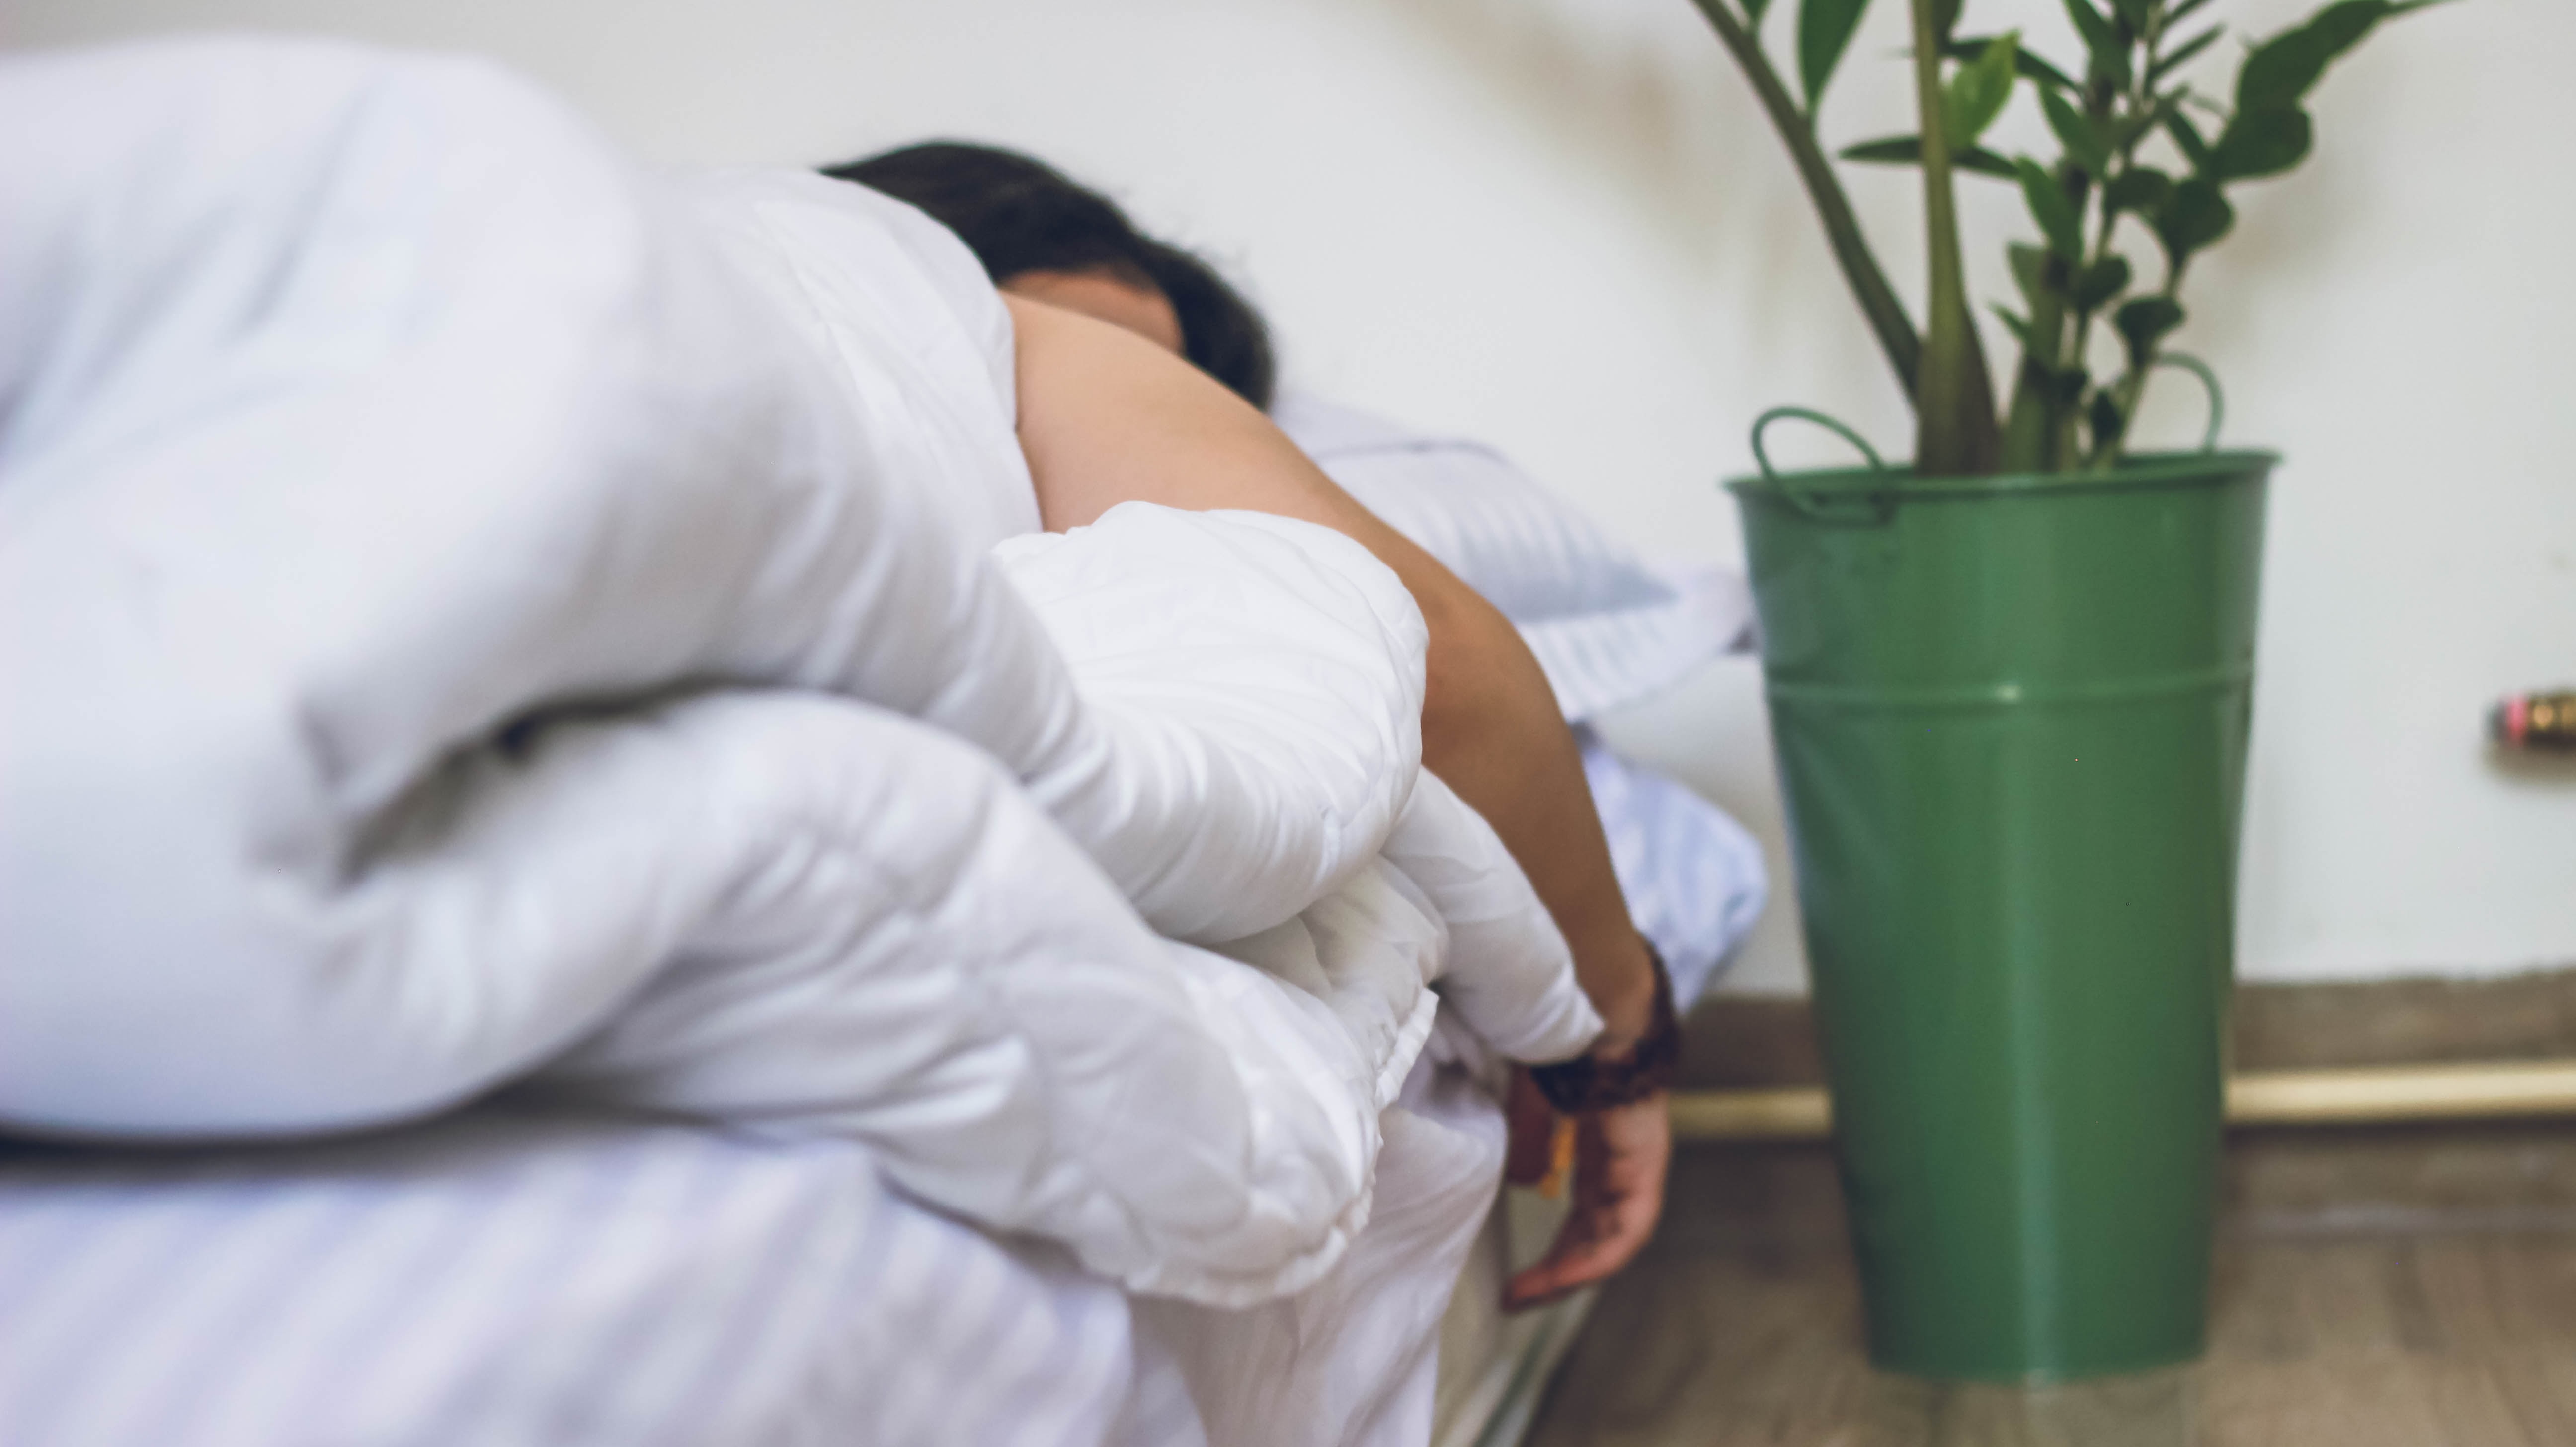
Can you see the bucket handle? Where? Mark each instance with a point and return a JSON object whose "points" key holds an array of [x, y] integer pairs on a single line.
{"points": [[1881, 507], [2184, 361]]}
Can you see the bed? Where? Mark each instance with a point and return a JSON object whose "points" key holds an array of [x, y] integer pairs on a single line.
{"points": [[525, 1271], [522, 1273], [586, 876]]}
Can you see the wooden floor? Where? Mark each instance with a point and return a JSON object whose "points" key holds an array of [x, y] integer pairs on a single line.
{"points": [[2450, 1331]]}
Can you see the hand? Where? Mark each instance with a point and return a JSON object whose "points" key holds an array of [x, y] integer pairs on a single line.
{"points": [[1620, 1157]]}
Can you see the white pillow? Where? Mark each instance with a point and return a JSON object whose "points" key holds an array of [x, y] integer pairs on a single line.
{"points": [[1608, 626]]}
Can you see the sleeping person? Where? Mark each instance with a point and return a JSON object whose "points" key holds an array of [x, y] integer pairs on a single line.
{"points": [[1605, 628], [1054, 247], [476, 608]]}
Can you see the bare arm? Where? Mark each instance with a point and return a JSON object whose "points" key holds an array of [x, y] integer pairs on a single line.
{"points": [[1106, 418]]}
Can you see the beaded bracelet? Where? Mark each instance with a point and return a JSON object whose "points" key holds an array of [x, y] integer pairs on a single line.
{"points": [[1586, 1084]]}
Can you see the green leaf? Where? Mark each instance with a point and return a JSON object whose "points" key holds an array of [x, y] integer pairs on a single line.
{"points": [[2261, 143], [2091, 25], [2030, 273], [2141, 189], [2058, 386], [2280, 71], [1945, 18], [1824, 32], [2180, 13], [1753, 11], [2109, 54], [1908, 151], [1978, 91], [2134, 12], [2182, 55], [2015, 323], [2107, 421], [2051, 208], [2100, 282], [2194, 216], [2127, 128], [2032, 67], [2187, 137], [2085, 144], [2144, 322]]}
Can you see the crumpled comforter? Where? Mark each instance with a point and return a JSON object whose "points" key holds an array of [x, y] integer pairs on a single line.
{"points": [[471, 610]]}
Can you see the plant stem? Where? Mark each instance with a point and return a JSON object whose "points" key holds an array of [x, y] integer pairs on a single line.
{"points": [[1954, 409], [1869, 286], [2129, 388], [2104, 108], [2084, 326], [2030, 423]]}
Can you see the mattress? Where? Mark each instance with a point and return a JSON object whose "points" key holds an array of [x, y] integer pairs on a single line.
{"points": [[1495, 1366], [529, 1273], [541, 1275]]}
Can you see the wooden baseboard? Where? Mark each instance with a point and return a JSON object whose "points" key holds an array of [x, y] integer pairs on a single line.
{"points": [[2436, 1175], [1745, 1042], [2377, 1095]]}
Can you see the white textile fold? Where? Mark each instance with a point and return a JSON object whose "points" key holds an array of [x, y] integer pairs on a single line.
{"points": [[472, 608]]}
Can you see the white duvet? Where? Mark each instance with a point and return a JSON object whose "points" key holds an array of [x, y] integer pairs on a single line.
{"points": [[471, 610]]}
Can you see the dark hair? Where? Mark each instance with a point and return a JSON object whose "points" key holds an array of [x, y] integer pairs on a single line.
{"points": [[1019, 214]]}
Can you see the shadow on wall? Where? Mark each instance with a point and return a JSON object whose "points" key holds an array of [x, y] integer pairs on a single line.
{"points": [[1628, 95], [2555, 772]]}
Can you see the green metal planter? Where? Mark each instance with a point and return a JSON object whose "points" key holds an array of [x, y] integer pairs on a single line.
{"points": [[2011, 717]]}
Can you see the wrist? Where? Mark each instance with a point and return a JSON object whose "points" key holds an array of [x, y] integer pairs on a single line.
{"points": [[1615, 1073], [1626, 1004]]}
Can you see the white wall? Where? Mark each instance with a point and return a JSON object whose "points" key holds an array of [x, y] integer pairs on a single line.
{"points": [[1561, 225]]}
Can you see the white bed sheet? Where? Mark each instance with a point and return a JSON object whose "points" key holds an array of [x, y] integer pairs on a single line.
{"points": [[526, 1274], [515, 1276]]}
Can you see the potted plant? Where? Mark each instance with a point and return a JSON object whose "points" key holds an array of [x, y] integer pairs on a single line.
{"points": [[2010, 686]]}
